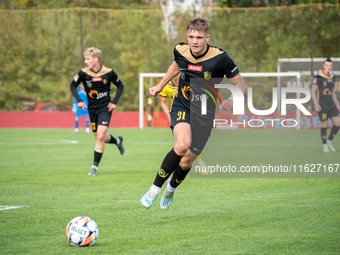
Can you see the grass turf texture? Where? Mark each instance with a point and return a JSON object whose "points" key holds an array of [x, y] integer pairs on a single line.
{"points": [[45, 170]]}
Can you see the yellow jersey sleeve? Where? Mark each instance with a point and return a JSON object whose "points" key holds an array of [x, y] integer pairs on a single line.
{"points": [[169, 91]]}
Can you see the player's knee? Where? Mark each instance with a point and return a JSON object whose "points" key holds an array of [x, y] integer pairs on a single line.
{"points": [[324, 124], [100, 136], [181, 147]]}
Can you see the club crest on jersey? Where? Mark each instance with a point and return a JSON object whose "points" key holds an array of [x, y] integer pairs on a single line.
{"points": [[195, 68], [96, 79], [105, 81], [207, 75]]}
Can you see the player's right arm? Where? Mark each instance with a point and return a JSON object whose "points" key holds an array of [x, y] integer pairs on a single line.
{"points": [[314, 97], [171, 73], [73, 87]]}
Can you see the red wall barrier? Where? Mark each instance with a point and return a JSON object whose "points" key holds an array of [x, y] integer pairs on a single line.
{"points": [[56, 119]]}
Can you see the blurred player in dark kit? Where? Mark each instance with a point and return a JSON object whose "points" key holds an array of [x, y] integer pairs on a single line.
{"points": [[97, 82]]}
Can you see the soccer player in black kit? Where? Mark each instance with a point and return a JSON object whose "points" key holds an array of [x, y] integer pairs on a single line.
{"points": [[328, 105], [196, 59], [97, 82]]}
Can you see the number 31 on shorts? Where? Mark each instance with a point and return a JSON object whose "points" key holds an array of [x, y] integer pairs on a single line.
{"points": [[180, 116]]}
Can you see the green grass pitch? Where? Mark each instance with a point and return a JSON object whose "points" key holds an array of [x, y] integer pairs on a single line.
{"points": [[45, 171]]}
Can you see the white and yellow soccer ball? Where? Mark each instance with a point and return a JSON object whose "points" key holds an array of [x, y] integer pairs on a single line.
{"points": [[82, 231]]}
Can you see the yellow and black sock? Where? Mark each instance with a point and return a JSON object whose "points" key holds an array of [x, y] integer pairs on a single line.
{"points": [[169, 164], [334, 130], [178, 176], [324, 135]]}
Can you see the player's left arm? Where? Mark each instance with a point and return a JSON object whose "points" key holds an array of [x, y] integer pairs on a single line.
{"points": [[238, 81], [120, 88], [335, 99]]}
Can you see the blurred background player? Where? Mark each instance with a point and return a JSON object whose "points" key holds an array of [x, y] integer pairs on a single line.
{"points": [[97, 82], [168, 92], [80, 112], [328, 105]]}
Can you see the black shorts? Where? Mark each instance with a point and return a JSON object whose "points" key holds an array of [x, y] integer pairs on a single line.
{"points": [[327, 112], [100, 117], [199, 134]]}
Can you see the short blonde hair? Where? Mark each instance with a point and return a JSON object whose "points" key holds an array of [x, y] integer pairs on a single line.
{"points": [[198, 24], [94, 52]]}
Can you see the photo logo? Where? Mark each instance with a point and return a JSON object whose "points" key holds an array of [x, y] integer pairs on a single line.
{"points": [[205, 97], [238, 100]]}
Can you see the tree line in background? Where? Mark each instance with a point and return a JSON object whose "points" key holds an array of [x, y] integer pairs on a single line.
{"points": [[44, 49], [268, 3], [144, 4]]}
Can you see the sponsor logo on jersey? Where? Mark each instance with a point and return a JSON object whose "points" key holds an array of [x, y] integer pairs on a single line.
{"points": [[184, 90], [207, 75], [76, 77], [95, 79], [330, 80], [93, 94], [326, 91], [195, 68], [100, 95]]}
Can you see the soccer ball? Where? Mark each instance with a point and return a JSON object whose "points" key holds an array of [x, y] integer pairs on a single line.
{"points": [[82, 231]]}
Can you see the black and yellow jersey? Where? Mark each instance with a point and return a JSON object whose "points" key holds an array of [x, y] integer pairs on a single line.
{"points": [[325, 84], [210, 68], [97, 86], [169, 91]]}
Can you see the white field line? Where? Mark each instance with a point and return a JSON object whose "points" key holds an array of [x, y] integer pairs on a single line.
{"points": [[5, 207], [47, 142]]}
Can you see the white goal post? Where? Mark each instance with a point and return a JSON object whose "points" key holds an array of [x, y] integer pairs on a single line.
{"points": [[304, 65], [142, 76]]}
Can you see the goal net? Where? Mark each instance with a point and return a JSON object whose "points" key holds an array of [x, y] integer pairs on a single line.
{"points": [[264, 88]]}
